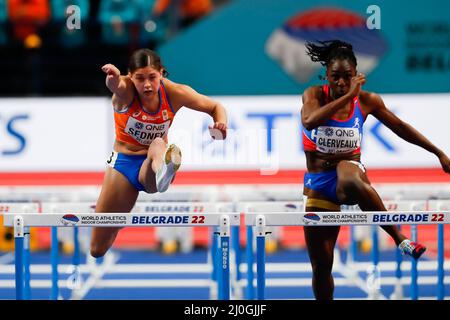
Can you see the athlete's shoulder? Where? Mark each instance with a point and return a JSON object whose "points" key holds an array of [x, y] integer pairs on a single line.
{"points": [[175, 89], [168, 84], [313, 92], [179, 94], [369, 97], [370, 101]]}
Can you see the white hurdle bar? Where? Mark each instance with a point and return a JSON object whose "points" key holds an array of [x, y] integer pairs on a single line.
{"points": [[263, 220], [140, 207], [224, 221]]}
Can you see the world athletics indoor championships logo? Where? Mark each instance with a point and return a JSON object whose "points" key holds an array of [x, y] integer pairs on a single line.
{"points": [[286, 45], [69, 220], [311, 218]]}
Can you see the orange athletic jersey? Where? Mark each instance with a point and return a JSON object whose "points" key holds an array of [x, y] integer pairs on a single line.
{"points": [[138, 127]]}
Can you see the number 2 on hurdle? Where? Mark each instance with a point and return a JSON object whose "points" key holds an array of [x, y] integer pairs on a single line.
{"points": [[437, 217], [198, 219]]}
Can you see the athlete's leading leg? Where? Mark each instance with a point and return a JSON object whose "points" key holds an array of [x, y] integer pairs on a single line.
{"points": [[158, 170], [160, 167], [117, 195], [354, 187], [152, 164], [156, 174]]}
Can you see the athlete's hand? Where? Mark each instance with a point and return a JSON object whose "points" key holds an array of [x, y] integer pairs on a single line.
{"points": [[218, 131], [355, 85], [113, 75], [111, 70], [445, 162]]}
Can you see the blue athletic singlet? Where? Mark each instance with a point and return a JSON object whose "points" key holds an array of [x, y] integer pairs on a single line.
{"points": [[333, 137], [337, 136]]}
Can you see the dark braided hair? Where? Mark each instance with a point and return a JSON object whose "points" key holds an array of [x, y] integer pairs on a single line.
{"points": [[329, 51]]}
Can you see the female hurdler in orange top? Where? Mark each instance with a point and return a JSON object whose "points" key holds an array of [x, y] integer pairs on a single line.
{"points": [[145, 103]]}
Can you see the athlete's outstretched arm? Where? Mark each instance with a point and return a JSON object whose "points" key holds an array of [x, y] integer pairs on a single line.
{"points": [[404, 130], [120, 86], [183, 95]]}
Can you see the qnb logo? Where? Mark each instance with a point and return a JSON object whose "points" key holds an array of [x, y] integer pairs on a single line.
{"points": [[139, 125], [311, 218], [329, 132], [69, 220], [286, 45]]}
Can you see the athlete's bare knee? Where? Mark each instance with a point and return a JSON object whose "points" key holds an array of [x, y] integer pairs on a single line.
{"points": [[156, 147], [98, 251], [101, 243], [322, 268], [322, 263], [157, 143], [351, 187]]}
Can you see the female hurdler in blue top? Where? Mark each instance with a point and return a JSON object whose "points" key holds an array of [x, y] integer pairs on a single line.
{"points": [[333, 116]]}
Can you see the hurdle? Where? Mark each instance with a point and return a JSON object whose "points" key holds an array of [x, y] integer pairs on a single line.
{"points": [[140, 207], [261, 221], [261, 195], [11, 207], [21, 220], [440, 205], [259, 206], [244, 197], [188, 193], [391, 205], [413, 192]]}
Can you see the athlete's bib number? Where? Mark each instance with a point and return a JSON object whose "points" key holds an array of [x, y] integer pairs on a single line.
{"points": [[144, 132], [337, 139]]}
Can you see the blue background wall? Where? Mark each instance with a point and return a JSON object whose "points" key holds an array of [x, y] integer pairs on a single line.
{"points": [[225, 54]]}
